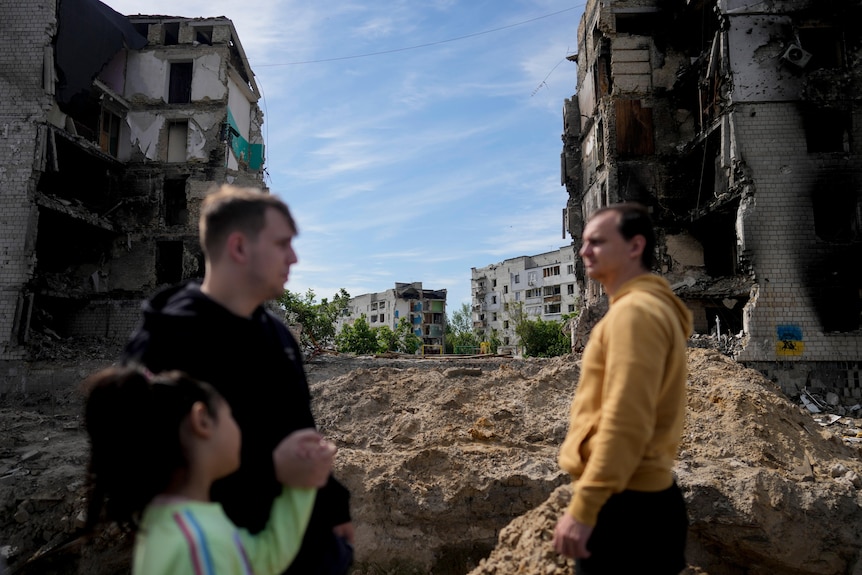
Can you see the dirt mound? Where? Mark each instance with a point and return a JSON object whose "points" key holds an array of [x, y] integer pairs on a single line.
{"points": [[440, 455], [769, 491], [451, 464]]}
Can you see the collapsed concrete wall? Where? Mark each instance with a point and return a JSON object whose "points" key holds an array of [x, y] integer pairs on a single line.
{"points": [[109, 149], [732, 121]]}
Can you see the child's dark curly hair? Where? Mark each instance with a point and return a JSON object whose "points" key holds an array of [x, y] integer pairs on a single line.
{"points": [[133, 419]]}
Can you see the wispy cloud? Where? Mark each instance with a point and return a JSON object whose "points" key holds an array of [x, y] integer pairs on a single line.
{"points": [[416, 164]]}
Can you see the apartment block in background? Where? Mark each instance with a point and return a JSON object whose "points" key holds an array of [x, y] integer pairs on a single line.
{"points": [[424, 309], [738, 123], [541, 286]]}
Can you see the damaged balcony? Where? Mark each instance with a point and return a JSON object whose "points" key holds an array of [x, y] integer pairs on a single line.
{"points": [[737, 125]]}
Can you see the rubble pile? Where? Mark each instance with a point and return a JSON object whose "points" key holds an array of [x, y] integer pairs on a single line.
{"points": [[452, 466]]}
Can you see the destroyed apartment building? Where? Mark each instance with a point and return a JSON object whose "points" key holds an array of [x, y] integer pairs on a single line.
{"points": [[425, 309], [739, 124], [113, 128]]}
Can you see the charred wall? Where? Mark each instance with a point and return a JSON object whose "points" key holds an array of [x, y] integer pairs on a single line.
{"points": [[737, 124], [109, 149]]}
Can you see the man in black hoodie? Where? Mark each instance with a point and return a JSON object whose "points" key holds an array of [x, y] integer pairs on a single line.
{"points": [[218, 331]]}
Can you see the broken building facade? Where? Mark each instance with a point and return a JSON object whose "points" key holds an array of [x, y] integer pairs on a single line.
{"points": [[542, 286], [113, 129], [739, 124], [425, 310]]}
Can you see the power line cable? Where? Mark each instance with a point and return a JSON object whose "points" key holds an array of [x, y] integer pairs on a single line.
{"points": [[417, 46]]}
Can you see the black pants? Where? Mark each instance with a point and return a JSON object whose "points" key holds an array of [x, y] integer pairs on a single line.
{"points": [[638, 532]]}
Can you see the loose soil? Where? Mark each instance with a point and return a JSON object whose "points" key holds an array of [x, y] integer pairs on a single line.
{"points": [[452, 466]]}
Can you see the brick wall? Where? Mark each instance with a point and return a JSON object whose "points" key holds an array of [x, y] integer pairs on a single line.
{"points": [[26, 38], [111, 319], [843, 378], [778, 233]]}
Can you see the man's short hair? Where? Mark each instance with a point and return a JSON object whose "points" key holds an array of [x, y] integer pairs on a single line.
{"points": [[228, 209], [634, 220]]}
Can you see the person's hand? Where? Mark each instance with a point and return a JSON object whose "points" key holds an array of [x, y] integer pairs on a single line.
{"points": [[303, 459], [571, 536], [344, 530]]}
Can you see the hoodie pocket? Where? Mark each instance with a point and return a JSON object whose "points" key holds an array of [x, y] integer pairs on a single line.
{"points": [[575, 451]]}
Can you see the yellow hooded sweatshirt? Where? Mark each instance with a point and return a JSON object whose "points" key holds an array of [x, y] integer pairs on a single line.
{"points": [[628, 412]]}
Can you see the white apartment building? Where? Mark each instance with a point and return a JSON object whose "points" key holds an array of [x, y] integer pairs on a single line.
{"points": [[424, 309], [544, 285]]}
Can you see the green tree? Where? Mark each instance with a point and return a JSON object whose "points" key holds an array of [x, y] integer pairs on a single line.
{"points": [[542, 338], [402, 339], [459, 330], [357, 338], [494, 341], [408, 342], [386, 339], [317, 319]]}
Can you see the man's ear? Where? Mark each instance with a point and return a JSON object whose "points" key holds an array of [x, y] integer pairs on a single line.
{"points": [[636, 246], [200, 420], [236, 246]]}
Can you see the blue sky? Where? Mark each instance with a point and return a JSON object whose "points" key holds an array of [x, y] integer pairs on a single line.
{"points": [[415, 164]]}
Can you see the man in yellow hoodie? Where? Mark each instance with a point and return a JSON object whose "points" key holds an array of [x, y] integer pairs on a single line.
{"points": [[627, 514]]}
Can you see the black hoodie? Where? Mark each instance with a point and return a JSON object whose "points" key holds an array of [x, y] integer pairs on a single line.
{"points": [[256, 365]]}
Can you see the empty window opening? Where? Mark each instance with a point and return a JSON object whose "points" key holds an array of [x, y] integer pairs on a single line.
{"points": [[551, 271], [717, 234], [837, 208], [176, 206], [638, 24], [109, 133], [142, 28], [839, 308], [204, 35], [180, 85], [836, 288], [551, 290], [827, 130], [552, 308], [570, 289], [703, 166], [172, 33], [178, 136], [169, 262], [23, 314], [824, 45], [602, 76], [728, 320], [65, 244]]}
